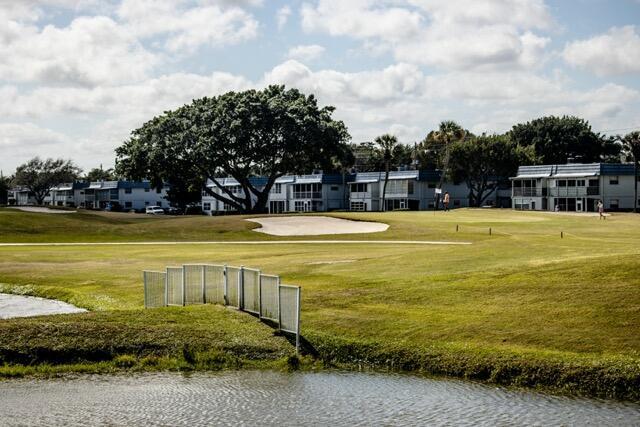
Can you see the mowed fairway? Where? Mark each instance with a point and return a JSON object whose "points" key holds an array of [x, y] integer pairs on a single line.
{"points": [[520, 293]]}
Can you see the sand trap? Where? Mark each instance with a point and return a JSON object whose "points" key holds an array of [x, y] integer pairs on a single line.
{"points": [[25, 306], [44, 210], [314, 226]]}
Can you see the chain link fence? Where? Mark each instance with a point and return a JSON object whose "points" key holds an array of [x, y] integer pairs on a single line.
{"points": [[246, 289]]}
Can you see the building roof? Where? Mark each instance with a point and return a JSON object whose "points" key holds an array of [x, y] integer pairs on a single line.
{"points": [[259, 181], [574, 170], [370, 177]]}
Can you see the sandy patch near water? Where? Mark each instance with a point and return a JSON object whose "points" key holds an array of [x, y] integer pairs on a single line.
{"points": [[26, 306]]}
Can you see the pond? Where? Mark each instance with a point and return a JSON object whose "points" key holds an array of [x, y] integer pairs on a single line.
{"points": [[277, 398]]}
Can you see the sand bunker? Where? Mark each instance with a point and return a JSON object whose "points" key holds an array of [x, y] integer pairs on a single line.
{"points": [[314, 226], [44, 210], [24, 306]]}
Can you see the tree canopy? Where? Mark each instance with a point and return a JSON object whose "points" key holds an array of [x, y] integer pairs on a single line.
{"points": [[483, 160], [39, 176], [99, 174], [558, 140], [270, 132]]}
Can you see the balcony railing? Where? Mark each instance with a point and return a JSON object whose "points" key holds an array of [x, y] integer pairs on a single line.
{"points": [[529, 192], [574, 191], [307, 195]]}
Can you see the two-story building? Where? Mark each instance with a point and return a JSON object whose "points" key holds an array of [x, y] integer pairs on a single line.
{"points": [[136, 195], [67, 194], [317, 192], [574, 187]]}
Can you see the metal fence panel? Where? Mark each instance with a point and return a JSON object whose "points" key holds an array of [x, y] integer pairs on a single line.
{"points": [[233, 286], [154, 288], [290, 308], [194, 281], [251, 290], [269, 297], [214, 283], [175, 290]]}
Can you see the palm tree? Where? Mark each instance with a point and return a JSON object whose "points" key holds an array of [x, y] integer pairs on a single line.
{"points": [[631, 147], [386, 144], [447, 133]]}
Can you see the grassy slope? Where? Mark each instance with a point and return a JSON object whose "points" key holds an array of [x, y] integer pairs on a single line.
{"points": [[521, 300]]}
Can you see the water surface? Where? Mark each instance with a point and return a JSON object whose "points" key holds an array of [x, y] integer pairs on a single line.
{"points": [[290, 399]]}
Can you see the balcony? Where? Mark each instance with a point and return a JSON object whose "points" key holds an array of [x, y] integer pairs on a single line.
{"points": [[529, 192], [307, 195], [574, 191]]}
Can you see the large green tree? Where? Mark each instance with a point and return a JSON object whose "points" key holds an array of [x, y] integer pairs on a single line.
{"points": [[39, 176], [99, 174], [273, 131], [5, 183], [558, 140], [631, 150], [481, 161], [386, 146]]}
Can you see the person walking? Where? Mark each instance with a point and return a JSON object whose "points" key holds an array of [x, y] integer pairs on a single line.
{"points": [[601, 209], [445, 201]]}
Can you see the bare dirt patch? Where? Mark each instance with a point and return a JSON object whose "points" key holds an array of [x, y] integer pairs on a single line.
{"points": [[314, 226]]}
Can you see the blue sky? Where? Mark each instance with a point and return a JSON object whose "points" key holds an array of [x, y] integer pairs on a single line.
{"points": [[76, 76]]}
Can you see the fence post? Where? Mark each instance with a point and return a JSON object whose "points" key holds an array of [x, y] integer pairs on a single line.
{"points": [[260, 295], [226, 285], [204, 284], [184, 286], [278, 300], [240, 285], [298, 320], [166, 288], [144, 285], [279, 303]]}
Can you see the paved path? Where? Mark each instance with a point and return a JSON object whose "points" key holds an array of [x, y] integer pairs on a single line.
{"points": [[249, 242], [25, 306]]}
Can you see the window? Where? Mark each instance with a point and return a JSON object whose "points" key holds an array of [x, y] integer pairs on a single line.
{"points": [[277, 188], [127, 191], [571, 183], [307, 191], [359, 188], [614, 204], [580, 183], [334, 188], [206, 206], [613, 180], [113, 194], [410, 187], [358, 206], [562, 182], [593, 183], [128, 205]]}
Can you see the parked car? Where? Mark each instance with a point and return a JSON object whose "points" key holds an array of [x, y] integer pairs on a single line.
{"points": [[172, 211], [154, 210]]}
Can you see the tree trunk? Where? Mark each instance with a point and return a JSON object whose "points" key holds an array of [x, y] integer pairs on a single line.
{"points": [[384, 187]]}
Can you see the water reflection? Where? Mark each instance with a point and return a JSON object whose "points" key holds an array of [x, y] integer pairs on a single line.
{"points": [[274, 398]]}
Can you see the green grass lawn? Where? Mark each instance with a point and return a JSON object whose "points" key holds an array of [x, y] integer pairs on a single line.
{"points": [[520, 299]]}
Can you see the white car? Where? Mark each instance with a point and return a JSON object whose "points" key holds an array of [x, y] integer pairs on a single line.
{"points": [[154, 210]]}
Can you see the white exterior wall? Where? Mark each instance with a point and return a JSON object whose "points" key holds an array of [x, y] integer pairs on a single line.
{"points": [[140, 199], [623, 192]]}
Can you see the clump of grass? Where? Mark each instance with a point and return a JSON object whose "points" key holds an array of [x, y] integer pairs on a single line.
{"points": [[125, 361]]}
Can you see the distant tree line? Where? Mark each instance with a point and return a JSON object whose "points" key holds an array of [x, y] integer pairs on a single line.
{"points": [[275, 131]]}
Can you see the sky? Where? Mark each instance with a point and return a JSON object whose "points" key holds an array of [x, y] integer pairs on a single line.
{"points": [[77, 76]]}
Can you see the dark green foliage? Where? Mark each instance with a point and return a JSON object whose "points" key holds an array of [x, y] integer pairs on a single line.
{"points": [[481, 161], [272, 132], [38, 176], [557, 140], [631, 150], [99, 174]]}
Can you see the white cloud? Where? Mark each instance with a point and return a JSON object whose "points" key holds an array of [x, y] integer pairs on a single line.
{"points": [[305, 52], [90, 51], [450, 34], [615, 52], [187, 28], [282, 16]]}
